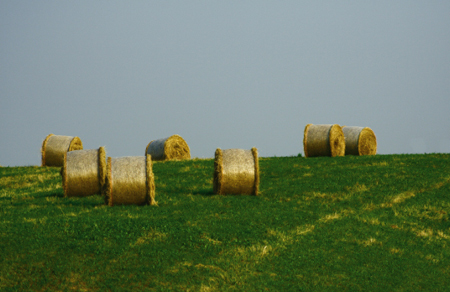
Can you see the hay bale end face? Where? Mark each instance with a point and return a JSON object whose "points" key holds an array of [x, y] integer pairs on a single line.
{"points": [[84, 172], [54, 147], [236, 171], [170, 148], [359, 141], [129, 181], [323, 140]]}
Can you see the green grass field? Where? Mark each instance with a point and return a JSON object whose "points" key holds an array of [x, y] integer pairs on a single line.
{"points": [[372, 223]]}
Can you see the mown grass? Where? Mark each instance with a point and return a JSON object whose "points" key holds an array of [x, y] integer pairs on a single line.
{"points": [[373, 223]]}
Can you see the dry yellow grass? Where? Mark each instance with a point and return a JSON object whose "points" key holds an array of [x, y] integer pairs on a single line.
{"points": [[170, 148], [323, 140], [54, 147], [236, 171], [84, 172]]}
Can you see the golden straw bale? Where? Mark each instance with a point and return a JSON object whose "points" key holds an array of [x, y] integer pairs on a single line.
{"points": [[359, 141], [129, 181], [236, 171], [54, 147], [323, 140], [173, 147], [84, 172]]}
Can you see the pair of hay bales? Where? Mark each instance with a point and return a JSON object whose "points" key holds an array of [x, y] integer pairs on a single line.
{"points": [[82, 171], [122, 181], [54, 148], [334, 140], [130, 180]]}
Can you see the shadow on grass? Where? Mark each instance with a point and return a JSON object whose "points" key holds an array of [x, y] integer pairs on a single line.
{"points": [[205, 193], [93, 201], [50, 195]]}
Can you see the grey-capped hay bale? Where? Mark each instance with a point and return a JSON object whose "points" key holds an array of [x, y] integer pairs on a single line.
{"points": [[323, 140], [84, 172], [54, 147], [129, 181], [236, 171], [173, 147], [359, 141]]}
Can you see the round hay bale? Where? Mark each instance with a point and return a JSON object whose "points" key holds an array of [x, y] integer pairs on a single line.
{"points": [[54, 147], [359, 141], [129, 181], [323, 140], [83, 173], [173, 147], [236, 171]]}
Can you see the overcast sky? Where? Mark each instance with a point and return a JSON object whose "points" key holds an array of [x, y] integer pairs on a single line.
{"points": [[227, 74]]}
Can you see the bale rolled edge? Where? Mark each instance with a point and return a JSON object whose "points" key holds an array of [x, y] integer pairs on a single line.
{"points": [[150, 181], [255, 156], [305, 140], [218, 172], [108, 184], [44, 145]]}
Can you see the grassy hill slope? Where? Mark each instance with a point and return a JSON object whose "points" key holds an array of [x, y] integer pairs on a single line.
{"points": [[373, 223]]}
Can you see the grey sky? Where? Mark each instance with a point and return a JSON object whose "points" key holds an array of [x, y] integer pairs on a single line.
{"points": [[228, 74]]}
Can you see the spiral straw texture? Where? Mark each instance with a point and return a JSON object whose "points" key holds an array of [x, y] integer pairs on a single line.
{"points": [[323, 140], [236, 171], [359, 141], [84, 172], [54, 147], [173, 147]]}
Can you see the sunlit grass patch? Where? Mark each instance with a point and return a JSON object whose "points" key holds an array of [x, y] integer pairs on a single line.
{"points": [[328, 197], [370, 220], [211, 240], [253, 253], [336, 215], [282, 238], [432, 258], [28, 177], [357, 188], [430, 234], [370, 241], [302, 230], [396, 251], [149, 236], [330, 217], [382, 163], [397, 199], [185, 169]]}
